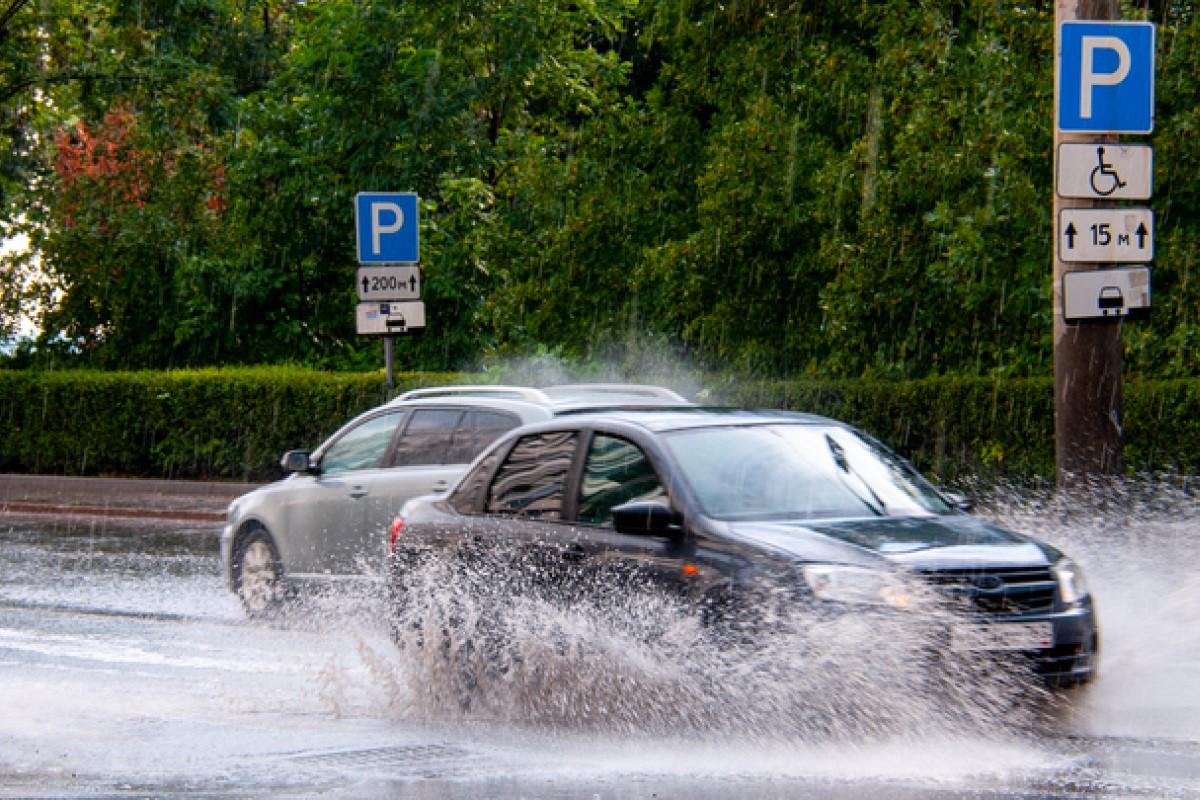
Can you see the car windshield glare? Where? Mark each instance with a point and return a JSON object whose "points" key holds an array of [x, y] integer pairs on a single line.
{"points": [[798, 471]]}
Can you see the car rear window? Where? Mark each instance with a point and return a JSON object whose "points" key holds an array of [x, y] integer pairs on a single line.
{"points": [[426, 439], [530, 481], [475, 432]]}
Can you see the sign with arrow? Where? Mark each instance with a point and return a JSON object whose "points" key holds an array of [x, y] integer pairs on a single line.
{"points": [[388, 283], [1106, 235]]}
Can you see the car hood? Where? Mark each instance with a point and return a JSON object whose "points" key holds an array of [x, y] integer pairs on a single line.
{"points": [[951, 541]]}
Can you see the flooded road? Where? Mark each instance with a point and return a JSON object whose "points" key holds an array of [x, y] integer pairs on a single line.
{"points": [[128, 670]]}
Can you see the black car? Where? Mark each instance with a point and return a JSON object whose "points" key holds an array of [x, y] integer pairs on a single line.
{"points": [[713, 504]]}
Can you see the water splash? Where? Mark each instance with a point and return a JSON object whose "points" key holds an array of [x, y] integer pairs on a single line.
{"points": [[1136, 541], [490, 642]]}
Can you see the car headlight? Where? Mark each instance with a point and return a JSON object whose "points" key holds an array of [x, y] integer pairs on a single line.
{"points": [[1071, 584], [842, 584]]}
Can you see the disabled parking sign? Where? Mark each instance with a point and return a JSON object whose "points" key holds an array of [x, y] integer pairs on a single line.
{"points": [[1106, 77]]}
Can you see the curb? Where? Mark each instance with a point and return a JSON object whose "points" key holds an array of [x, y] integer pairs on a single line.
{"points": [[109, 511], [193, 501]]}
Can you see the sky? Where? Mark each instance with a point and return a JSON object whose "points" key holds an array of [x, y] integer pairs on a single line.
{"points": [[15, 245]]}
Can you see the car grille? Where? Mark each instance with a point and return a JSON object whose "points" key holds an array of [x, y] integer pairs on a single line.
{"points": [[1002, 590]]}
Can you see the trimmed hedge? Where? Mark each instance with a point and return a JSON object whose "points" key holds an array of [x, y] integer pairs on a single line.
{"points": [[178, 424], [235, 423]]}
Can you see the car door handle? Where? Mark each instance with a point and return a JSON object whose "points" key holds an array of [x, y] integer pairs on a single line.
{"points": [[359, 491], [441, 486]]}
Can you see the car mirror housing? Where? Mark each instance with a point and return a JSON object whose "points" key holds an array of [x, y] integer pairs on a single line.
{"points": [[959, 501], [646, 518], [295, 461]]}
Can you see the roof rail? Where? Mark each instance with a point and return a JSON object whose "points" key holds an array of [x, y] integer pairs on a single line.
{"points": [[615, 388], [509, 392]]}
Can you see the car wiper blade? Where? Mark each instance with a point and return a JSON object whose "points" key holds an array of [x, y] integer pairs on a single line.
{"points": [[878, 507]]}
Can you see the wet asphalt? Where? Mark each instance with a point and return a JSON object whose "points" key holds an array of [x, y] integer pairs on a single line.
{"points": [[127, 669]]}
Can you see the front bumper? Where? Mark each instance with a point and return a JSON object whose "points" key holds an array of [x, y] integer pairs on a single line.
{"points": [[1074, 655]]}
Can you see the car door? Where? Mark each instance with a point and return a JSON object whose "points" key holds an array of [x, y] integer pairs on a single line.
{"points": [[515, 531], [324, 512], [616, 471]]}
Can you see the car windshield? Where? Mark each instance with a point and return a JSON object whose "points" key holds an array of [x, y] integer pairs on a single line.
{"points": [[798, 471]]}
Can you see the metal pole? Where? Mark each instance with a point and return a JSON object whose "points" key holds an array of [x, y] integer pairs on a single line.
{"points": [[389, 362], [1087, 357]]}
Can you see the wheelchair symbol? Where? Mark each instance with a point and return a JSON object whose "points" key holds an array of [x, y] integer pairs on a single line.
{"points": [[1105, 179]]}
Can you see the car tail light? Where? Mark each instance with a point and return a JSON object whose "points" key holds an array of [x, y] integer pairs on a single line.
{"points": [[394, 533]]}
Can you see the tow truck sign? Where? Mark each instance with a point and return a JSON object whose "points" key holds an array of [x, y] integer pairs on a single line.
{"points": [[386, 319]]}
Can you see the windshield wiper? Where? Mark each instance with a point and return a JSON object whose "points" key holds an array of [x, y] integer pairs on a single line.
{"points": [[878, 507]]}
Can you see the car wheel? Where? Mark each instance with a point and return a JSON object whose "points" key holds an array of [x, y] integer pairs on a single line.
{"points": [[258, 574]]}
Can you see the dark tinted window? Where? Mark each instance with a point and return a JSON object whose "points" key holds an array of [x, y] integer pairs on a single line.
{"points": [[530, 481], [475, 432], [616, 472], [471, 495], [363, 446], [426, 439]]}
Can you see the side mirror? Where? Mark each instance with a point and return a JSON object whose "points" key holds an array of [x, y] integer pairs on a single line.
{"points": [[295, 461], [646, 518], [958, 501]]}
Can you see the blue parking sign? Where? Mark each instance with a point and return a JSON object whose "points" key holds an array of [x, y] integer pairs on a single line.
{"points": [[387, 229], [1106, 77]]}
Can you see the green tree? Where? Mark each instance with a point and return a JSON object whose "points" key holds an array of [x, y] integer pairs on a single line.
{"points": [[126, 173], [462, 103]]}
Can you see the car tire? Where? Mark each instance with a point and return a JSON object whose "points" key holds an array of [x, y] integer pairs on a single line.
{"points": [[258, 574]]}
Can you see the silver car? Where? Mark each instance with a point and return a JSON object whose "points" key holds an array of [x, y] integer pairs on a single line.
{"points": [[327, 520]]}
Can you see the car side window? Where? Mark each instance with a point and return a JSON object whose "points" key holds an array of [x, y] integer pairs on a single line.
{"points": [[476, 431], [530, 481], [363, 446], [471, 495], [426, 438], [616, 472]]}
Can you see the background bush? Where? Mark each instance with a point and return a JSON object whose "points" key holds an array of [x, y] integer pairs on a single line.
{"points": [[234, 424], [179, 424]]}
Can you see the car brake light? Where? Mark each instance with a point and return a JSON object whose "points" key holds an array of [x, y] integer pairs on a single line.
{"points": [[394, 533]]}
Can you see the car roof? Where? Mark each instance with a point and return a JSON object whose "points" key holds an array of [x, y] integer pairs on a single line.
{"points": [[556, 399], [667, 418], [527, 404]]}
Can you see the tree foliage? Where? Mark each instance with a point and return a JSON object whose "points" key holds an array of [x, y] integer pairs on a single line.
{"points": [[826, 188]]}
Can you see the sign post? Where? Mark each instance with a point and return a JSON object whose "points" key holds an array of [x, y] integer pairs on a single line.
{"points": [[388, 281], [1104, 85]]}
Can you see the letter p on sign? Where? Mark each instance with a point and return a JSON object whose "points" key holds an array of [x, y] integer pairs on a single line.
{"points": [[1106, 77], [379, 228], [386, 228]]}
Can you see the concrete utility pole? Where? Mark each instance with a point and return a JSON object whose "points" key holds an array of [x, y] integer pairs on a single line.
{"points": [[1087, 358]]}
